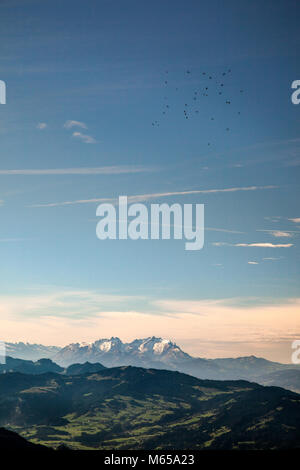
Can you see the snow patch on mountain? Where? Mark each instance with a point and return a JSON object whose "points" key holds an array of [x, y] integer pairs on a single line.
{"points": [[162, 346]]}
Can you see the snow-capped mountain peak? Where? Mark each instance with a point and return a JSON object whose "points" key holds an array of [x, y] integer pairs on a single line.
{"points": [[113, 352]]}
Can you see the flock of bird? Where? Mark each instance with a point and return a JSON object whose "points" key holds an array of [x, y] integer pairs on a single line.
{"points": [[193, 106]]}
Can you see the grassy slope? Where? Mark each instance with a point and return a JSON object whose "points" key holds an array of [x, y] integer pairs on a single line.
{"points": [[135, 408]]}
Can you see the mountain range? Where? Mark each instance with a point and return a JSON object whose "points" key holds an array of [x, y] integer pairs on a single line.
{"points": [[43, 366], [30, 352], [155, 353]]}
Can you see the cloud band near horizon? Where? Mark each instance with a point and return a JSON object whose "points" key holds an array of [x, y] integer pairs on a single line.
{"points": [[48, 317]]}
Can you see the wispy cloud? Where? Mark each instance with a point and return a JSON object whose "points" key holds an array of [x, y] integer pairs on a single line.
{"points": [[274, 218], [257, 245], [221, 244], [87, 139], [104, 170], [69, 124], [146, 197], [253, 262], [41, 126], [225, 230], [280, 233], [150, 196], [266, 245], [296, 220]]}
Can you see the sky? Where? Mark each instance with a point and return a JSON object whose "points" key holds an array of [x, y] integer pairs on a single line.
{"points": [[97, 98]]}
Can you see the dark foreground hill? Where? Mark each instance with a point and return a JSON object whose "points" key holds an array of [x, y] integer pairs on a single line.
{"points": [[12, 441], [135, 408]]}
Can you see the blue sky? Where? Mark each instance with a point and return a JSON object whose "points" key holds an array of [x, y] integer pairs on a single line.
{"points": [[103, 64]]}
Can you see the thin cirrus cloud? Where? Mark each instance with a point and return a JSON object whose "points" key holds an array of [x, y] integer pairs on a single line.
{"points": [[296, 220], [150, 196], [266, 245], [41, 126], [257, 245], [87, 139], [279, 233], [104, 170], [275, 218], [70, 124]]}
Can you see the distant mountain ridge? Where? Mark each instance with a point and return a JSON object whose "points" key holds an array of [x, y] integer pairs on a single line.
{"points": [[160, 353], [44, 366], [30, 352]]}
